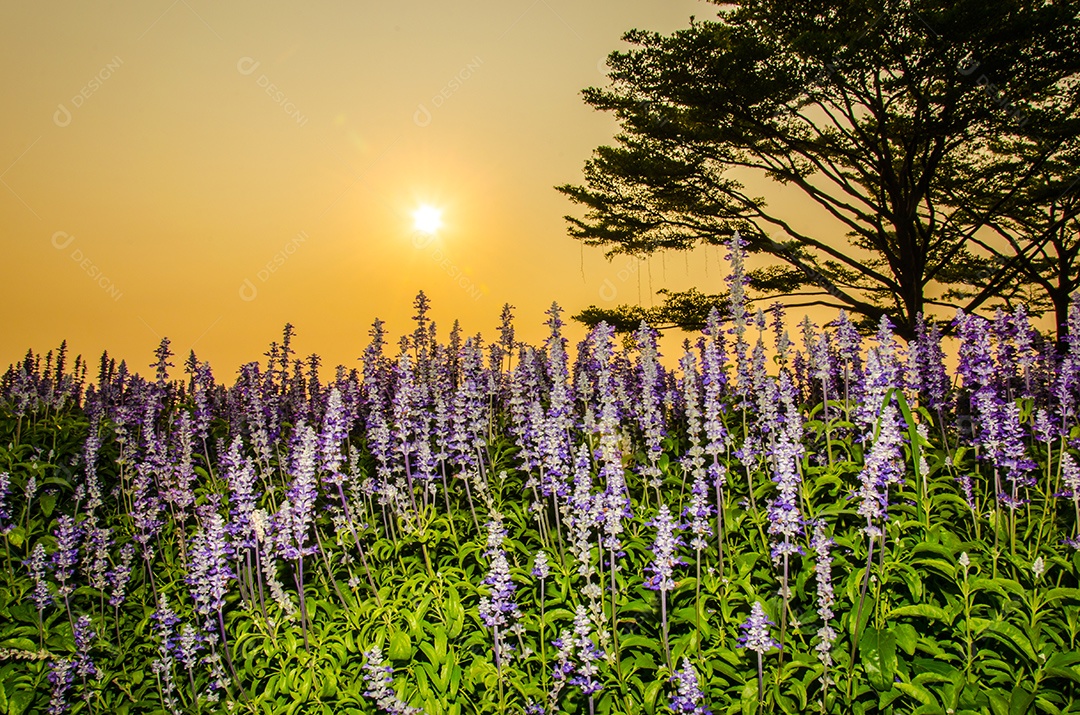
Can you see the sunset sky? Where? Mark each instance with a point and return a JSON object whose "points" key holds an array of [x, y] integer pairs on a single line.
{"points": [[209, 172]]}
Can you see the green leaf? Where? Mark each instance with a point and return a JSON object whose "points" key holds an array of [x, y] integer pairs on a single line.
{"points": [[19, 701], [750, 697], [1060, 660], [440, 643], [400, 645], [652, 691], [17, 536], [1067, 673], [878, 657], [986, 584], [906, 637], [20, 644], [917, 692], [1056, 593], [455, 614], [924, 610], [1020, 701], [1009, 634]]}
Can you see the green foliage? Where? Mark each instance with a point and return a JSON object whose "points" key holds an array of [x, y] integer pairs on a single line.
{"points": [[688, 310], [938, 140], [957, 620]]}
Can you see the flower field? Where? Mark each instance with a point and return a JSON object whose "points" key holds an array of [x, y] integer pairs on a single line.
{"points": [[803, 521]]}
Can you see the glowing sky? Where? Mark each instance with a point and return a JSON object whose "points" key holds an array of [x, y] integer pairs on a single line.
{"points": [[208, 171]]}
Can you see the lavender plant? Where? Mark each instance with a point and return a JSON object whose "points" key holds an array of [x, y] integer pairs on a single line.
{"points": [[924, 519]]}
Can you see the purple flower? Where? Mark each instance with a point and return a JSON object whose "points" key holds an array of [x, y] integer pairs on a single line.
{"points": [[335, 429], [782, 340], [541, 569], [883, 373], [688, 695], [38, 565], [497, 609], [1070, 475], [582, 512], [1007, 450], [713, 384], [976, 365], [66, 556], [525, 407], [96, 556], [91, 488], [926, 365], [849, 345], [664, 550], [5, 507], [756, 631], [756, 637], [177, 477], [694, 460], [470, 407], [121, 573], [147, 510], [649, 409], [61, 675], [586, 653], [1025, 337], [188, 646], [296, 515], [737, 302], [378, 676], [699, 512], [616, 499], [555, 442], [783, 511], [1043, 425], [84, 636], [825, 596], [883, 467], [162, 666], [208, 571], [240, 478], [202, 393]]}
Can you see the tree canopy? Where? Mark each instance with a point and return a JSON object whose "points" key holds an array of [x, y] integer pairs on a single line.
{"points": [[938, 138]]}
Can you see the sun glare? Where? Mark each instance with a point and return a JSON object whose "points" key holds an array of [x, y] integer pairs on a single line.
{"points": [[427, 219]]}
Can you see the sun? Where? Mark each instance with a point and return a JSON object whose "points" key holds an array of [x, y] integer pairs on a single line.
{"points": [[427, 219]]}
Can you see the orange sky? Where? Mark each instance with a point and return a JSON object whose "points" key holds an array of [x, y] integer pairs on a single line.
{"points": [[209, 171]]}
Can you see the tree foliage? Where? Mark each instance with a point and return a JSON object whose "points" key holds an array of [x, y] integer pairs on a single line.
{"points": [[937, 137]]}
